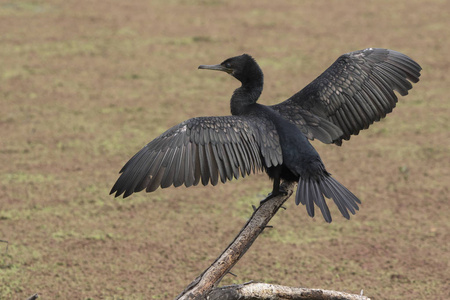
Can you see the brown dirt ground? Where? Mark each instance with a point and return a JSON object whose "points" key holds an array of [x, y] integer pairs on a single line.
{"points": [[85, 84]]}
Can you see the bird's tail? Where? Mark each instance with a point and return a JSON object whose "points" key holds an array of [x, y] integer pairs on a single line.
{"points": [[310, 191]]}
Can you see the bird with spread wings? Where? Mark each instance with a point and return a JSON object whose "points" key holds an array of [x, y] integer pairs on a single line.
{"points": [[354, 92]]}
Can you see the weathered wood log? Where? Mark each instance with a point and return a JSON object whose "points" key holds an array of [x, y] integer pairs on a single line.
{"points": [[265, 291]]}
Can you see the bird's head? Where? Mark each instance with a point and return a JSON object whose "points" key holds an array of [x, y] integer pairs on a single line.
{"points": [[243, 67]]}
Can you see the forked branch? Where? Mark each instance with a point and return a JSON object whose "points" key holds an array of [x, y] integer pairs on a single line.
{"points": [[204, 286]]}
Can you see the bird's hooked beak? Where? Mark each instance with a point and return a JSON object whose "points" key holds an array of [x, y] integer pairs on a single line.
{"points": [[216, 68]]}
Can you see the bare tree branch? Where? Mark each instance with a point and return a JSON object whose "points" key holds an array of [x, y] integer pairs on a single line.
{"points": [[34, 297], [203, 284], [203, 287]]}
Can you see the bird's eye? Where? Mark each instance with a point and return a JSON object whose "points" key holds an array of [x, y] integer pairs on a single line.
{"points": [[228, 65]]}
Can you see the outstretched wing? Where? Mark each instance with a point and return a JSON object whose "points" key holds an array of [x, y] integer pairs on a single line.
{"points": [[356, 90], [205, 149]]}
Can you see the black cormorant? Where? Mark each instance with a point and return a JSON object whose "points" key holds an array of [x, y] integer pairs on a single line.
{"points": [[355, 91]]}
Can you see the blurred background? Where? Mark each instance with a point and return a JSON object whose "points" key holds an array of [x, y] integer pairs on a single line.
{"points": [[85, 84]]}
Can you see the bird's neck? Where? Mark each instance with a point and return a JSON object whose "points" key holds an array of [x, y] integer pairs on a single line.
{"points": [[245, 96]]}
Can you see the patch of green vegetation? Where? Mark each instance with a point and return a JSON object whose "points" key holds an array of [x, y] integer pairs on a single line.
{"points": [[313, 234], [22, 7], [23, 177], [65, 234], [126, 31], [202, 39], [290, 237], [161, 296], [132, 76], [15, 73], [6, 215], [55, 49], [99, 236], [28, 212], [244, 204], [194, 2]]}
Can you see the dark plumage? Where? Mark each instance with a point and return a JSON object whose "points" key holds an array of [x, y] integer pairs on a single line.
{"points": [[355, 91]]}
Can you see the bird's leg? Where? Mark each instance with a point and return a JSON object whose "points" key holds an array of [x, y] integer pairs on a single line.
{"points": [[276, 190], [276, 185]]}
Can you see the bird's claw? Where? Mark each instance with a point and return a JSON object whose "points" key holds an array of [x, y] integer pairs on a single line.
{"points": [[273, 194]]}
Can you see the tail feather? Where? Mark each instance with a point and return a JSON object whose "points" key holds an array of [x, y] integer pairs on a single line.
{"points": [[300, 188], [344, 195], [306, 197], [330, 194], [310, 192], [319, 200]]}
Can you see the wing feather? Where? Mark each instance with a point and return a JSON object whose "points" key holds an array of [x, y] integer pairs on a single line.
{"points": [[204, 170], [202, 149], [354, 92], [179, 169], [220, 164], [196, 163], [233, 159]]}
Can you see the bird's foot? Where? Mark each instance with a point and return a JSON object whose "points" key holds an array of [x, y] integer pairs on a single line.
{"points": [[273, 194]]}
